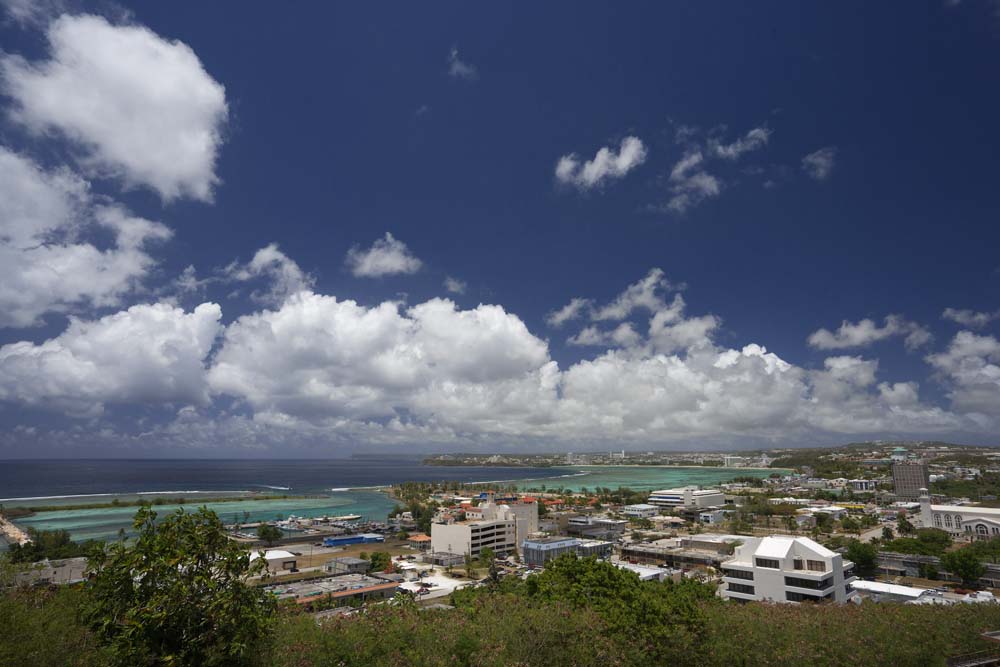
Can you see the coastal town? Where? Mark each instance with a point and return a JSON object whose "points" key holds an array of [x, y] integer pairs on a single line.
{"points": [[873, 522]]}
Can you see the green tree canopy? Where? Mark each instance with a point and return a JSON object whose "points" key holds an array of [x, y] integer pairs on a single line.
{"points": [[179, 596], [268, 534], [964, 564]]}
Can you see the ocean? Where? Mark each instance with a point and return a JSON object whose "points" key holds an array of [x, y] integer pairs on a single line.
{"points": [[345, 486]]}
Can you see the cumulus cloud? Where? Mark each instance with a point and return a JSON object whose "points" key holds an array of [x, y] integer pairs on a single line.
{"points": [[283, 274], [454, 285], [323, 370], [867, 332], [48, 262], [459, 69], [606, 166], [137, 106], [970, 367], [571, 311], [387, 256], [318, 355], [146, 354], [819, 164], [970, 318], [644, 294]]}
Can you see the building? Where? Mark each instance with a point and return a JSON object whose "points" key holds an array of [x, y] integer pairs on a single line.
{"points": [[688, 497], [361, 538], [713, 517], [977, 523], [341, 588], [443, 559], [595, 527], [278, 560], [538, 551], [786, 569], [908, 477], [497, 530], [347, 565], [863, 484], [420, 542], [640, 511], [733, 461], [898, 454], [880, 591]]}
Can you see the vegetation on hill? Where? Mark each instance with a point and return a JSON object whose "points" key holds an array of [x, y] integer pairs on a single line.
{"points": [[178, 597], [50, 544], [927, 542]]}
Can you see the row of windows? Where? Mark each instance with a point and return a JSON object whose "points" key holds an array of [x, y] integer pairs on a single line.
{"points": [[983, 529], [739, 574], [808, 583], [741, 588], [948, 521], [768, 562], [803, 597], [811, 565]]}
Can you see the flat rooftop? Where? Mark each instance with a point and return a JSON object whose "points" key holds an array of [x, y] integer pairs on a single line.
{"points": [[343, 585]]}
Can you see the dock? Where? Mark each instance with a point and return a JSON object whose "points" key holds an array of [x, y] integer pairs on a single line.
{"points": [[12, 533]]}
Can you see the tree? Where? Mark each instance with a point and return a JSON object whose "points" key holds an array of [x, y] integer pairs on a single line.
{"points": [[864, 556], [380, 561], [178, 596], [887, 533], [470, 570], [903, 524], [965, 565], [791, 524], [268, 533]]}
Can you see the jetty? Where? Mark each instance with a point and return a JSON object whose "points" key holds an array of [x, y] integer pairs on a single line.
{"points": [[12, 533]]}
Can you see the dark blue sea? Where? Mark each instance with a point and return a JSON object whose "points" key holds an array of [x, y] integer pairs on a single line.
{"points": [[38, 478]]}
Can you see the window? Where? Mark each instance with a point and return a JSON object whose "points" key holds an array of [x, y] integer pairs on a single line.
{"points": [[809, 583], [797, 564], [937, 520], [981, 529], [958, 520], [816, 565], [741, 588], [947, 520], [773, 563], [801, 597], [738, 574]]}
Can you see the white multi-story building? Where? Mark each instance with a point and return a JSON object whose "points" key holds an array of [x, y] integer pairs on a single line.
{"points": [[863, 484], [978, 523], [786, 569], [689, 496], [499, 527], [641, 511]]}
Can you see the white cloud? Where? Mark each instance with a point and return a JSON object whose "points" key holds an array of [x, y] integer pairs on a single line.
{"points": [[323, 370], [454, 285], [458, 69], [754, 139], [642, 294], [46, 262], [284, 275], [572, 310], [971, 369], [139, 107], [970, 318], [819, 164], [867, 332], [320, 356], [606, 166], [387, 256], [690, 183], [147, 354]]}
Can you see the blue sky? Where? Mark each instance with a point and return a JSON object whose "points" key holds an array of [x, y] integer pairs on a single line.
{"points": [[229, 233]]}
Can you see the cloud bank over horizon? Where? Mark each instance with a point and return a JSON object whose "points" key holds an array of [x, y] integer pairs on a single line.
{"points": [[164, 288]]}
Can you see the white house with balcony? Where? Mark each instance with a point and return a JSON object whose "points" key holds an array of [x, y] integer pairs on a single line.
{"points": [[971, 521], [786, 569]]}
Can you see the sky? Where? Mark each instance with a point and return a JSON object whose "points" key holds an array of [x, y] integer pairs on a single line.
{"points": [[389, 227]]}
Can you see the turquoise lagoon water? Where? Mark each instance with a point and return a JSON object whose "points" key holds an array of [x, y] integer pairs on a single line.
{"points": [[30, 483]]}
